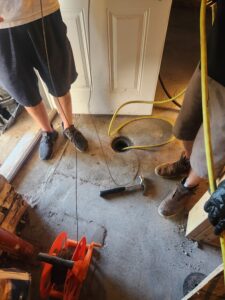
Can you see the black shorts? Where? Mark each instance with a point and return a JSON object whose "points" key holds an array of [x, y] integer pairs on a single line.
{"points": [[22, 49]]}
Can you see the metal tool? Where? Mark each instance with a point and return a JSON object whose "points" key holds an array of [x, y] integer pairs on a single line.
{"points": [[141, 186]]}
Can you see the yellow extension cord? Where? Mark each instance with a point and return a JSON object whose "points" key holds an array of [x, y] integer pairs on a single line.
{"points": [[206, 116], [205, 109], [143, 147]]}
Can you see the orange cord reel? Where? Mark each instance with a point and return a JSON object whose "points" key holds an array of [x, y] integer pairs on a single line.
{"points": [[65, 267]]}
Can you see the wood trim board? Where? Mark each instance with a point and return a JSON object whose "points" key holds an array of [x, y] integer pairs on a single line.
{"points": [[198, 226], [21, 152]]}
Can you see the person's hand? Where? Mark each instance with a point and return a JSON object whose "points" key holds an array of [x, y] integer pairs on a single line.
{"points": [[1, 19], [215, 207]]}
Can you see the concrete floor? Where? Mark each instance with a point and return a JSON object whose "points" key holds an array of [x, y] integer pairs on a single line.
{"points": [[144, 256]]}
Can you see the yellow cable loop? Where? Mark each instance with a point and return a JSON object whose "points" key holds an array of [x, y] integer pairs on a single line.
{"points": [[142, 147], [205, 109], [112, 133]]}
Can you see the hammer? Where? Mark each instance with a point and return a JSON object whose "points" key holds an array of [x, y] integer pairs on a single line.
{"points": [[141, 186]]}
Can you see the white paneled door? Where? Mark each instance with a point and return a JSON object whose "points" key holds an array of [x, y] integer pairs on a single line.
{"points": [[126, 45]]}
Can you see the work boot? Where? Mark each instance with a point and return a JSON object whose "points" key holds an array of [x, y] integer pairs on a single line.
{"points": [[176, 169], [47, 143], [76, 137], [175, 202]]}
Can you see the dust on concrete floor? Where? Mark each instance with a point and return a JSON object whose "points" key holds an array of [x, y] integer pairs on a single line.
{"points": [[145, 256]]}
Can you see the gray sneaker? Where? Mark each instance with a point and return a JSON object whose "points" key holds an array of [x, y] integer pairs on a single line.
{"points": [[76, 137], [175, 202], [176, 169], [46, 144]]}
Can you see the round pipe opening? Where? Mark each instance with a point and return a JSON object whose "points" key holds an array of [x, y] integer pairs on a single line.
{"points": [[121, 142]]}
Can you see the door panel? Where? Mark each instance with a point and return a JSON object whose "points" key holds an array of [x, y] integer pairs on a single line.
{"points": [[75, 16], [127, 39], [126, 56]]}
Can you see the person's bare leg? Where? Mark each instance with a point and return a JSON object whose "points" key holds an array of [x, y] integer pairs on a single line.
{"points": [[192, 180], [64, 108], [188, 145], [49, 135], [40, 115]]}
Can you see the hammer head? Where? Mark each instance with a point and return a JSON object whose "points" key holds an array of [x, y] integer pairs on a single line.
{"points": [[143, 184]]}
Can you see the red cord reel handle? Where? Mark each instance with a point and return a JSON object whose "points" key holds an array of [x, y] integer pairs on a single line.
{"points": [[77, 267]]}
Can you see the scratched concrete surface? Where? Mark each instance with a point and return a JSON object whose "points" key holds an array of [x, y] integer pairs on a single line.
{"points": [[144, 256]]}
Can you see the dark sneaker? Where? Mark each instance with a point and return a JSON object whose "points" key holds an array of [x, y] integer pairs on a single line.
{"points": [[175, 202], [176, 169], [47, 143], [76, 137]]}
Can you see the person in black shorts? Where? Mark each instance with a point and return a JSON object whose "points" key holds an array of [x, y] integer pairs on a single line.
{"points": [[33, 37]]}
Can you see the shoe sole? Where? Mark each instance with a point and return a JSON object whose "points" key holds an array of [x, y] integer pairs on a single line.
{"points": [[168, 177], [171, 216], [81, 151], [166, 217]]}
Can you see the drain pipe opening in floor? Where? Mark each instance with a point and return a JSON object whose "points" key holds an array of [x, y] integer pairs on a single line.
{"points": [[119, 143]]}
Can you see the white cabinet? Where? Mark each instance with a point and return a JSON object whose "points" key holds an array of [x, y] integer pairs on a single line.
{"points": [[127, 39]]}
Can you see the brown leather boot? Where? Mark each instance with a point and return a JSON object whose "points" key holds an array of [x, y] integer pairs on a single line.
{"points": [[175, 202], [176, 169]]}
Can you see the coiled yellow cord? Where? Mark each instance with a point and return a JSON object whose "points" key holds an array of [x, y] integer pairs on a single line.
{"points": [[112, 132]]}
